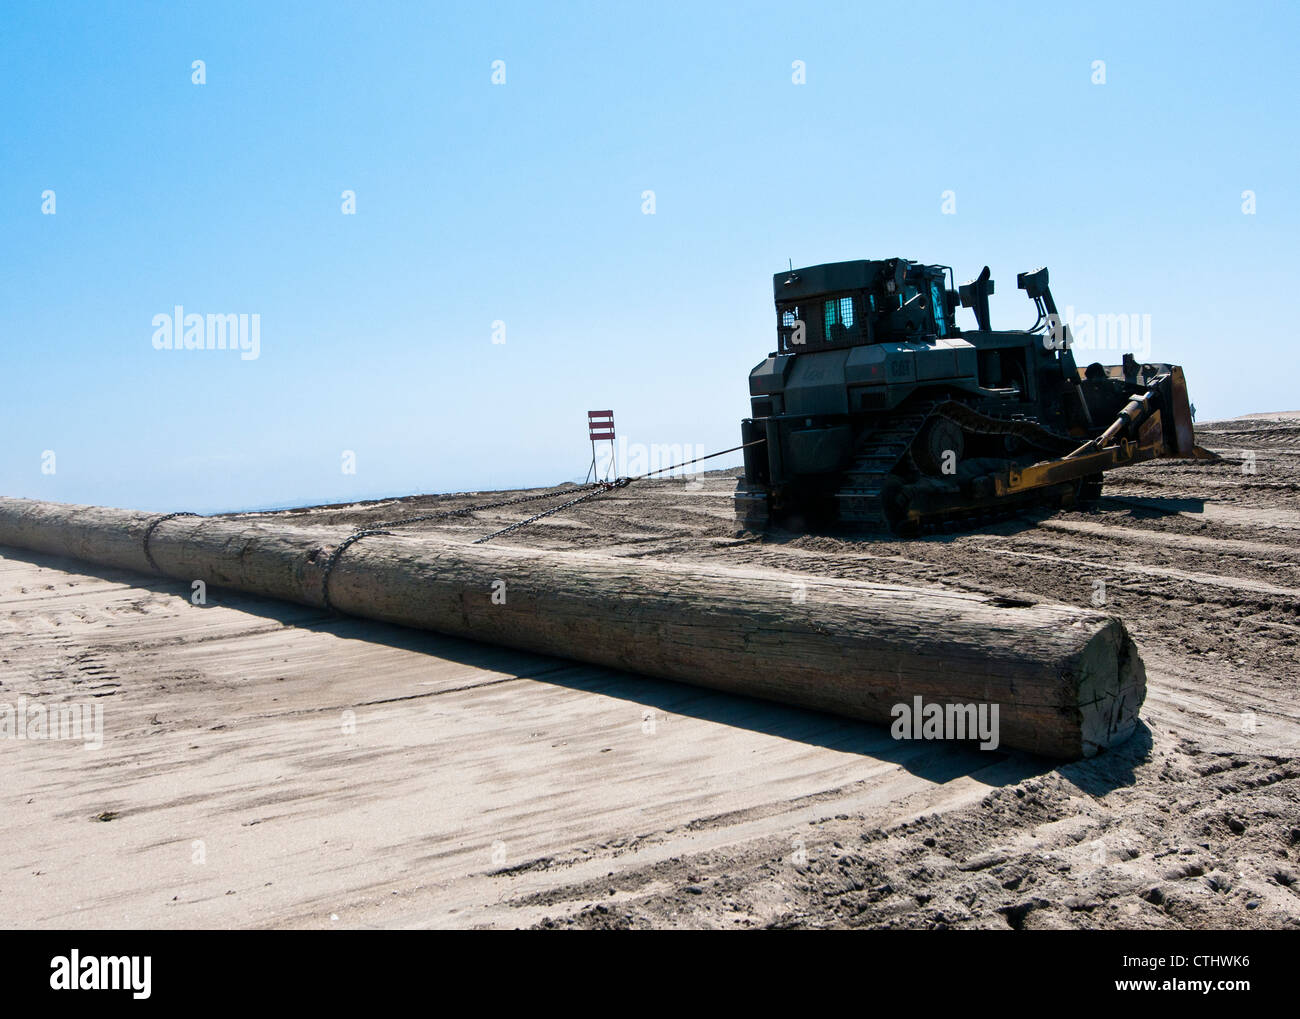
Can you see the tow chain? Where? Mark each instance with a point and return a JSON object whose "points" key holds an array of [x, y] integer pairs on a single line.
{"points": [[587, 493], [464, 511], [605, 486], [148, 533]]}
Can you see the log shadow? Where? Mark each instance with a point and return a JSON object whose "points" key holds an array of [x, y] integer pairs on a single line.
{"points": [[935, 761], [1115, 768]]}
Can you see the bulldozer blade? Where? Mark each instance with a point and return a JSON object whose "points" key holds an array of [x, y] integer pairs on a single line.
{"points": [[1184, 435]]}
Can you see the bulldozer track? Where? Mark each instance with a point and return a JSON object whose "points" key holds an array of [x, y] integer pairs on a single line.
{"points": [[862, 497], [871, 499]]}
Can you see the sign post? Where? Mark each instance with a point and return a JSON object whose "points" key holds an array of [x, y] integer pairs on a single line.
{"points": [[600, 427]]}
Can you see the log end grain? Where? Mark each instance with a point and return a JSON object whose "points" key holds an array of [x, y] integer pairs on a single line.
{"points": [[1112, 684]]}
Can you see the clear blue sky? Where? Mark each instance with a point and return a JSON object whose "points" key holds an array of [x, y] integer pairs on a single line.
{"points": [[522, 203]]}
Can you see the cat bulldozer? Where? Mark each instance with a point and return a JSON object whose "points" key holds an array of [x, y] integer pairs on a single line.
{"points": [[877, 413]]}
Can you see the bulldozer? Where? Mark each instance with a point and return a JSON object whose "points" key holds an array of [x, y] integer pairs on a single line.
{"points": [[877, 413]]}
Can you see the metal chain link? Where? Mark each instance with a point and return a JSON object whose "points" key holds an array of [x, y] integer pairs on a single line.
{"points": [[343, 546], [605, 486], [586, 493], [467, 510], [464, 511], [149, 534], [687, 463]]}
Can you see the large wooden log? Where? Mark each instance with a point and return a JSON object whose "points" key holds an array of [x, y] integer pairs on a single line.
{"points": [[1067, 682]]}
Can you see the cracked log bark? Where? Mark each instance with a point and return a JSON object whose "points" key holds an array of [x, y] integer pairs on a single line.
{"points": [[1068, 682]]}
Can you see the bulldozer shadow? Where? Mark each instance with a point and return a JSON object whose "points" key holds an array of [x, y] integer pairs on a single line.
{"points": [[1133, 507], [1144, 508], [792, 531]]}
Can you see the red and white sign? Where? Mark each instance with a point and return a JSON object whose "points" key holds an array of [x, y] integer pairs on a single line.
{"points": [[600, 424]]}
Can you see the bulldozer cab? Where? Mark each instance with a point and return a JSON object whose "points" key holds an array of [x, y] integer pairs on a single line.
{"points": [[847, 304]]}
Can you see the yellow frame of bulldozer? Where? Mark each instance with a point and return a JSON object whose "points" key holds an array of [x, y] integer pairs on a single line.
{"points": [[1149, 445]]}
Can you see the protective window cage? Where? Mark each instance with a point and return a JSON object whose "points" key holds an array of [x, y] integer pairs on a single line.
{"points": [[839, 321], [788, 321]]}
